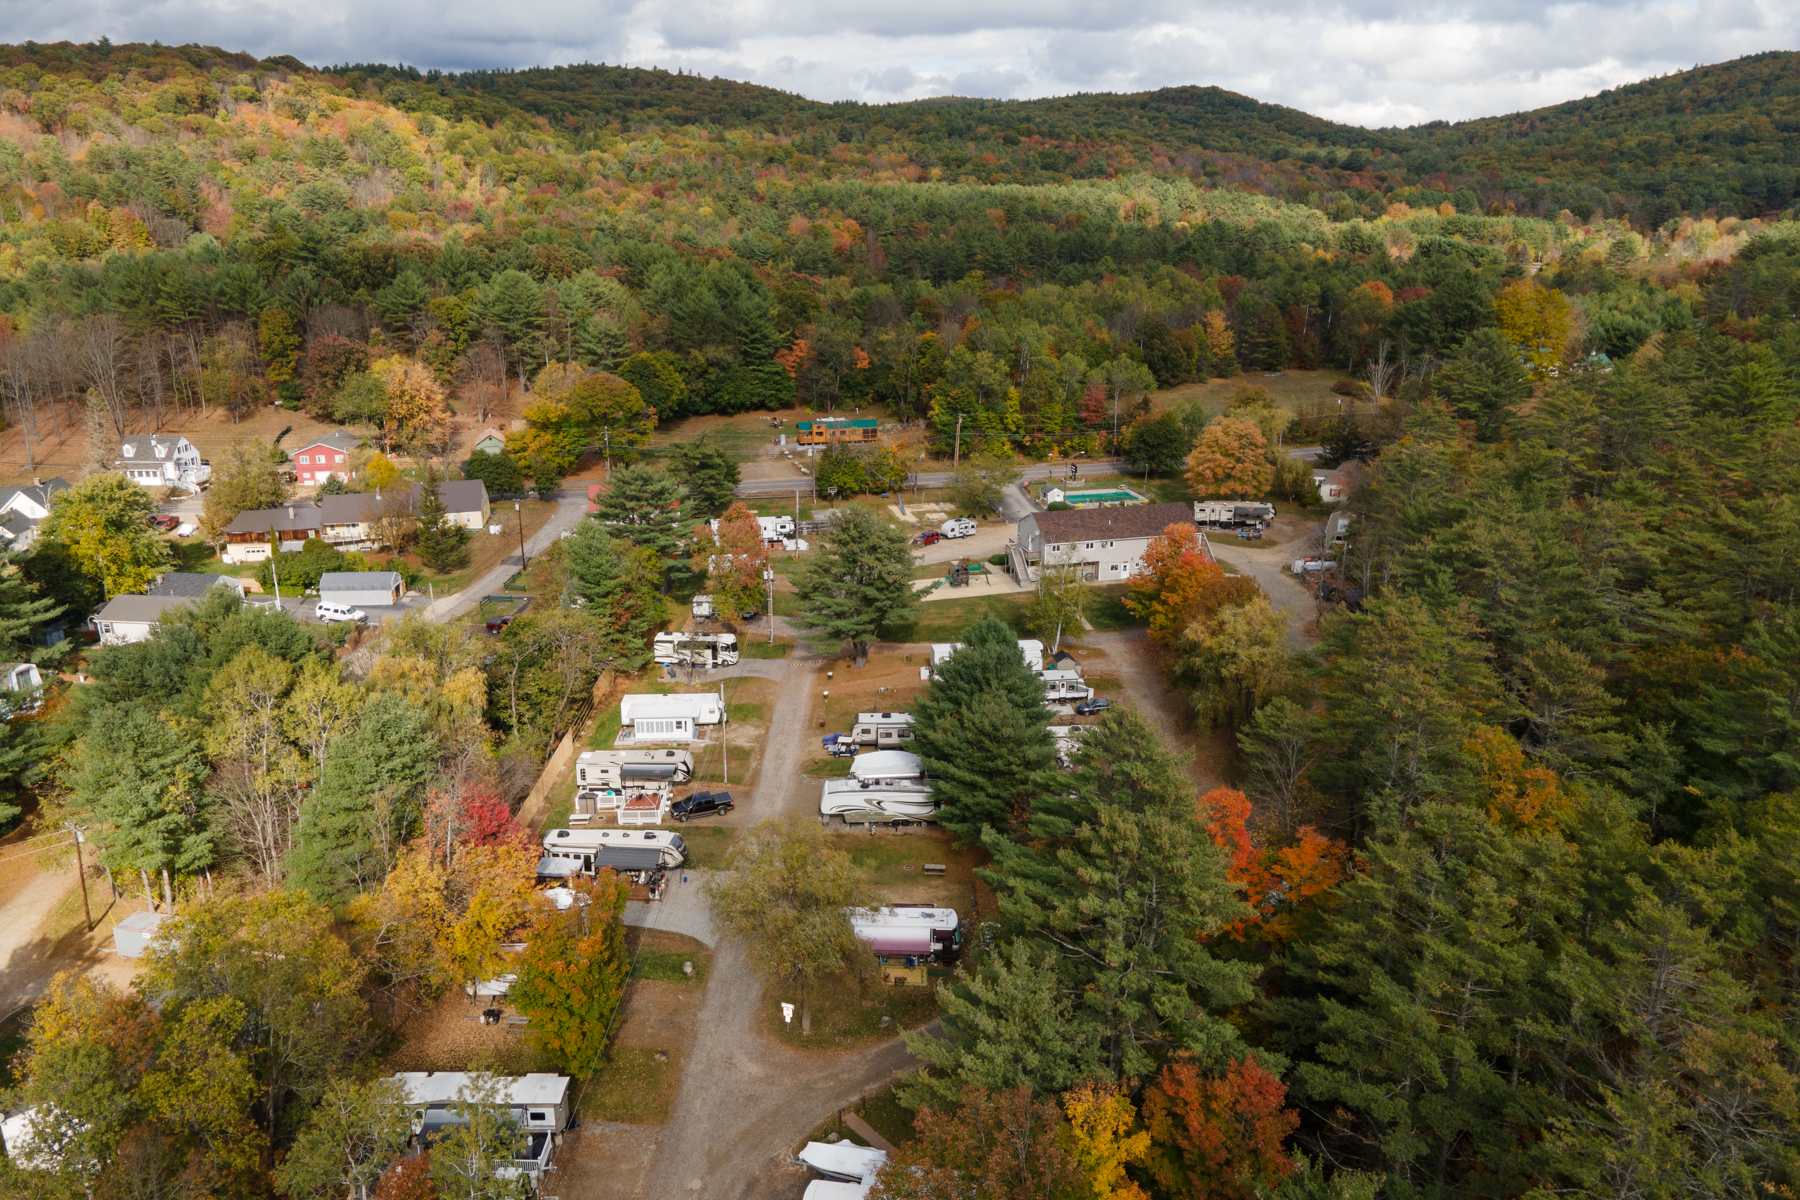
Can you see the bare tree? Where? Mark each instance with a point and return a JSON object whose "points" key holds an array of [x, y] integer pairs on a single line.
{"points": [[104, 351], [1380, 372]]}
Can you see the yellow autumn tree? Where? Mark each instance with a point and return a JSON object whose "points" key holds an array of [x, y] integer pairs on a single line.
{"points": [[1231, 459], [418, 417], [1220, 340], [1536, 321], [1100, 1121]]}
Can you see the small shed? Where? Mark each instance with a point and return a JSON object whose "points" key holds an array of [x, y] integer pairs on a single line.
{"points": [[133, 935], [357, 589]]}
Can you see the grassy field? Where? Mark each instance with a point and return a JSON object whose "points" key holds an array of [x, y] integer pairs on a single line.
{"points": [[847, 1011], [706, 845], [759, 648], [945, 620], [633, 1087], [1106, 611]]}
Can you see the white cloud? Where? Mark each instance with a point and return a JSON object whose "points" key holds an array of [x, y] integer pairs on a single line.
{"points": [[1371, 62]]}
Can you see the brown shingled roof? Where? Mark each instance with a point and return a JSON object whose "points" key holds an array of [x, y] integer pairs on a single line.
{"points": [[1096, 524]]}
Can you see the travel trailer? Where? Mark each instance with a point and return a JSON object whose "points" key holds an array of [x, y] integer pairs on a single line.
{"points": [[1065, 687], [1234, 513], [891, 803], [599, 773], [887, 766], [584, 851], [884, 730], [671, 718]]}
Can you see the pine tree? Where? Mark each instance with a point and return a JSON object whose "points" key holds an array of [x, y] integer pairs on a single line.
{"points": [[710, 474], [615, 582], [981, 733], [858, 579], [1483, 382], [646, 508], [443, 545], [600, 343], [1123, 883]]}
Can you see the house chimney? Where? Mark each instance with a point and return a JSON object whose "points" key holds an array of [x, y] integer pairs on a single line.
{"points": [[290, 512]]}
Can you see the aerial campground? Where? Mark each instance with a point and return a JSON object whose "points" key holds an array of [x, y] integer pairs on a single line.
{"points": [[755, 625]]}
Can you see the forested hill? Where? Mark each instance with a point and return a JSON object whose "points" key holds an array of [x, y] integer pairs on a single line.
{"points": [[1724, 138]]}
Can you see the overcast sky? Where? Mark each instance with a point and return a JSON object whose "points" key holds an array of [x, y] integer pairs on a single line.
{"points": [[1371, 62]]}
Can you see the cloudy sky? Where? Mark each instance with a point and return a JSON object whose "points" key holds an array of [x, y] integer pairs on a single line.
{"points": [[1371, 62]]}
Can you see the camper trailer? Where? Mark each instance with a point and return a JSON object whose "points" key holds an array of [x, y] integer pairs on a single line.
{"points": [[907, 939], [706, 650], [1233, 513], [604, 777], [674, 718], [1065, 687], [886, 766], [627, 851], [539, 1104], [884, 731], [890, 803], [1030, 650]]}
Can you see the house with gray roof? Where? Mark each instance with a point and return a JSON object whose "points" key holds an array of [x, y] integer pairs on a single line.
{"points": [[191, 585], [133, 618], [23, 508], [361, 589], [154, 460], [465, 502], [323, 457], [1107, 543]]}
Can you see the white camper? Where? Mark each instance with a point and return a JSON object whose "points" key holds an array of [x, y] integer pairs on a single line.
{"points": [[538, 1104], [583, 851], [1062, 687], [1233, 512], [908, 929], [895, 802], [885, 766], [1031, 651], [884, 730], [699, 649], [958, 527], [673, 718], [604, 774]]}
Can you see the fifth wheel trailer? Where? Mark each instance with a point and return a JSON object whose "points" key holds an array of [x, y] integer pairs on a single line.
{"points": [[601, 771], [584, 851]]}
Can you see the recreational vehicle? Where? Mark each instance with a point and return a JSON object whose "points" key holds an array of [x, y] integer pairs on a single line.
{"points": [[538, 1104], [1031, 651], [672, 718], [1235, 513], [844, 1161], [603, 773], [884, 730], [1064, 687], [696, 649], [584, 851], [892, 803], [940, 926], [886, 766]]}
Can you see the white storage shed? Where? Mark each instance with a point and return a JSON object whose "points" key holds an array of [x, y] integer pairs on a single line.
{"points": [[133, 935], [361, 589]]}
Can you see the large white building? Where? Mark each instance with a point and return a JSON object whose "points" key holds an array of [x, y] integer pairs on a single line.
{"points": [[152, 460], [1107, 543]]}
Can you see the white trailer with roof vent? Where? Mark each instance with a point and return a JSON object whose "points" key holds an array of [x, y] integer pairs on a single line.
{"points": [[884, 730], [671, 718], [601, 775], [583, 851]]}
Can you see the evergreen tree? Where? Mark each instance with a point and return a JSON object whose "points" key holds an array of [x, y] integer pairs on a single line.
{"points": [[615, 582], [857, 580], [600, 343], [514, 303], [367, 800], [980, 731], [1484, 382], [442, 544], [711, 477], [1124, 886], [646, 508]]}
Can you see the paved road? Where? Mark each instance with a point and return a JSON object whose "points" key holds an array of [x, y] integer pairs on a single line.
{"points": [[933, 479], [571, 506]]}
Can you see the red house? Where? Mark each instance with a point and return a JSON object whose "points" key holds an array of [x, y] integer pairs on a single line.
{"points": [[324, 457]]}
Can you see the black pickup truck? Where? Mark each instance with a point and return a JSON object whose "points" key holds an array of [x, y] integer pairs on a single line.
{"points": [[701, 804]]}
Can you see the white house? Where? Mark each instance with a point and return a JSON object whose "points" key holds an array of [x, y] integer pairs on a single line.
{"points": [[22, 508], [154, 460], [1333, 487], [465, 502], [21, 688], [133, 618], [361, 589], [324, 457], [1107, 543]]}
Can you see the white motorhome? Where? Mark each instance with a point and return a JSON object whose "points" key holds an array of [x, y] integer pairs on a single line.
{"points": [[600, 774], [670, 718], [699, 649], [1233, 512], [890, 803], [884, 730], [584, 851], [1063, 686], [909, 929], [886, 766]]}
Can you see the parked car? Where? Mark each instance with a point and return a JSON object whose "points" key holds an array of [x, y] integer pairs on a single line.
{"points": [[165, 523], [928, 538], [701, 804], [496, 624], [1088, 708], [330, 613]]}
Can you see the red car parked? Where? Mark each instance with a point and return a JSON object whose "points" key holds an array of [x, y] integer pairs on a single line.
{"points": [[929, 537]]}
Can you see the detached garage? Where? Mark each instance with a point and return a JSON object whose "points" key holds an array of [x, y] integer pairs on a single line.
{"points": [[360, 589], [133, 935]]}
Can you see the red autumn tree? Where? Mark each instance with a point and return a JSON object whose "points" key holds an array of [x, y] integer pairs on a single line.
{"points": [[408, 1179], [1180, 582], [1231, 459], [1278, 885], [1218, 1138]]}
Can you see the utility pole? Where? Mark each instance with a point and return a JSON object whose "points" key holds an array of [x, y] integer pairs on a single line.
{"points": [[274, 568], [725, 724], [609, 454], [81, 874], [769, 578], [956, 459], [523, 561]]}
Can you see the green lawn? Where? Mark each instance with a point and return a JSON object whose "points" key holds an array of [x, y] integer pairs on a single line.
{"points": [[706, 845], [829, 768], [946, 620], [1106, 611], [632, 1087], [759, 648], [666, 965]]}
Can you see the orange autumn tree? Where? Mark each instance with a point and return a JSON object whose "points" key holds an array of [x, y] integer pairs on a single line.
{"points": [[1278, 885], [733, 562], [1521, 794], [1231, 459], [1218, 1137], [1176, 568]]}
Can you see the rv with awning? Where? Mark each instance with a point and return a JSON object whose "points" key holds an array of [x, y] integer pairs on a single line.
{"points": [[906, 938], [628, 851], [612, 773]]}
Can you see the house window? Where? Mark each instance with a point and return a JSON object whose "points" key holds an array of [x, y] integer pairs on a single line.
{"points": [[1090, 546], [340, 458], [659, 727], [302, 458]]}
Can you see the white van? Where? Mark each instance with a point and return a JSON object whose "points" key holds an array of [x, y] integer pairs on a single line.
{"points": [[330, 613], [958, 527]]}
